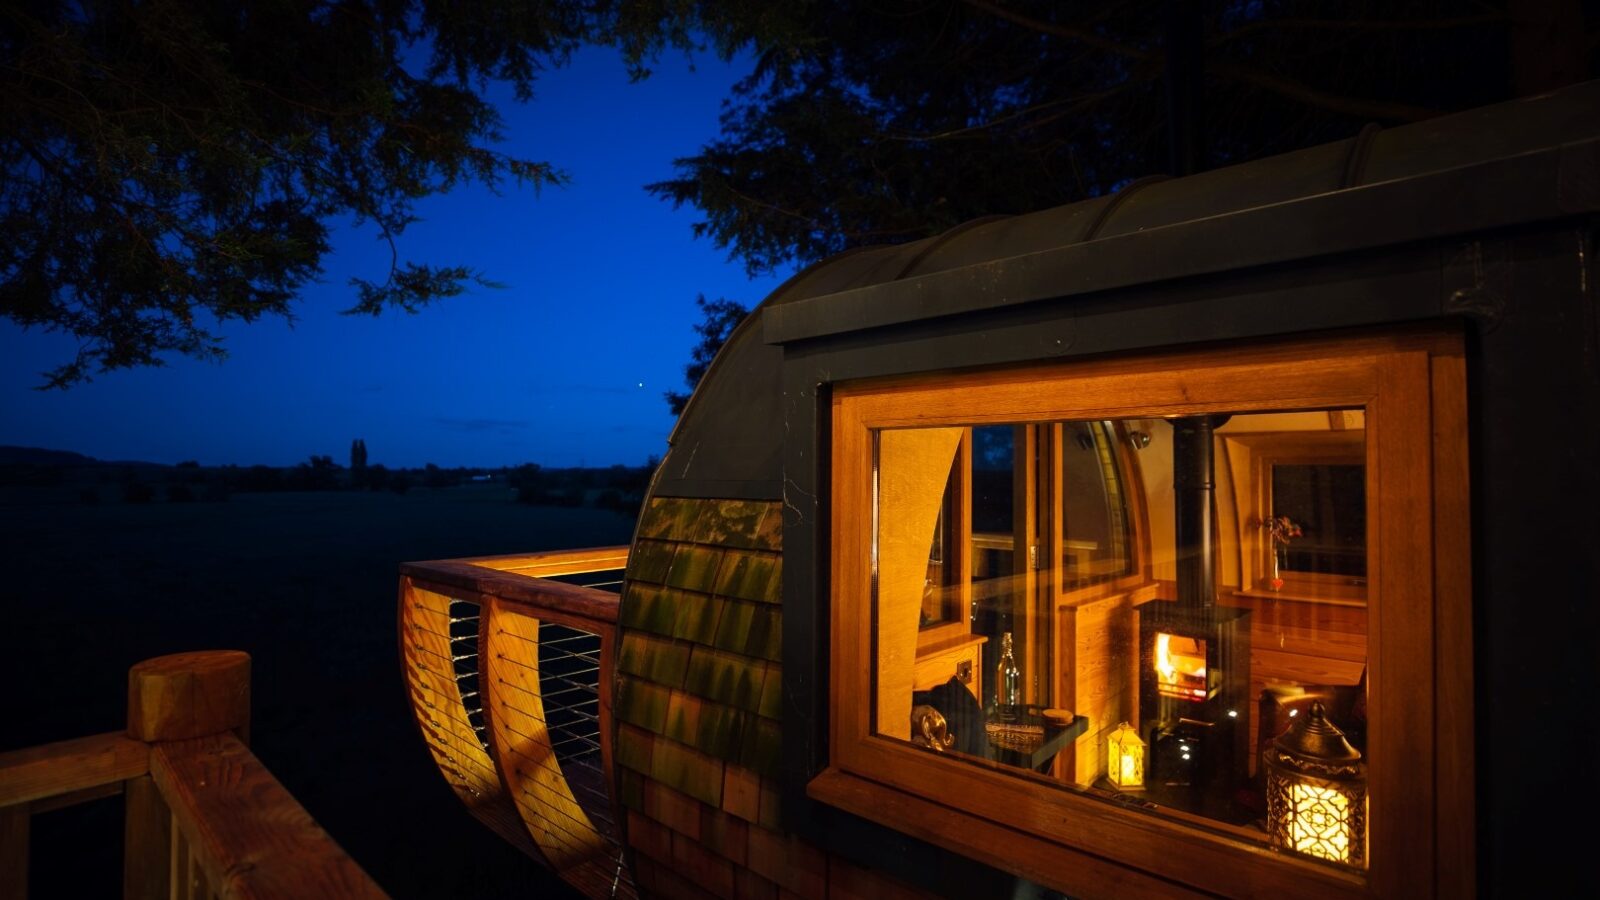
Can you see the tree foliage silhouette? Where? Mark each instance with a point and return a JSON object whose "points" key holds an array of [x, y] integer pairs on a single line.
{"points": [[892, 120], [166, 166]]}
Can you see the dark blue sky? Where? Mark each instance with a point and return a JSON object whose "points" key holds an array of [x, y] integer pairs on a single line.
{"points": [[564, 366]]}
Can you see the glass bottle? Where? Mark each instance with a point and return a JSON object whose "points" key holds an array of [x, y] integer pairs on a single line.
{"points": [[1007, 677]]}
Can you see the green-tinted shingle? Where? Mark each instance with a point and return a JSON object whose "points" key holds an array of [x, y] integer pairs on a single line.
{"points": [[772, 693], [669, 519], [769, 534], [634, 748], [688, 771], [730, 523], [733, 631], [751, 575], [726, 678], [766, 638], [650, 561], [648, 608], [694, 568], [721, 730], [697, 616], [630, 789], [762, 747], [641, 703], [657, 659], [683, 717]]}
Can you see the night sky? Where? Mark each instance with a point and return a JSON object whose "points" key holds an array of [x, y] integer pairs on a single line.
{"points": [[564, 366]]}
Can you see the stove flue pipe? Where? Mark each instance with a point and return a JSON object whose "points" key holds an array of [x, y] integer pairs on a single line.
{"points": [[1193, 484]]}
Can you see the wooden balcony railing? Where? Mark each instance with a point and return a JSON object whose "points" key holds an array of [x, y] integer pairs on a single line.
{"points": [[508, 663], [205, 819]]}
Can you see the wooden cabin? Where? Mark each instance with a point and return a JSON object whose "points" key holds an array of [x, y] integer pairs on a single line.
{"points": [[1228, 536]]}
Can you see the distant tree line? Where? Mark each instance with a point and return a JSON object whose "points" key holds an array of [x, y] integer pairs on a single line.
{"points": [[618, 487], [621, 488]]}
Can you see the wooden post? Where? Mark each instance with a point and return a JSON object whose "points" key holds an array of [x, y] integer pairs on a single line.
{"points": [[14, 825], [173, 698], [146, 839], [190, 695]]}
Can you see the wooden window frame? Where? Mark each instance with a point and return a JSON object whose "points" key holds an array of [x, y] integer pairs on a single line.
{"points": [[1412, 387]]}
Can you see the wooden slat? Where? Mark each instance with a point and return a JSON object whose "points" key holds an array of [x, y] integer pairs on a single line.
{"points": [[178, 862], [34, 773], [14, 826], [436, 698], [441, 715], [523, 752], [249, 834], [146, 842]]}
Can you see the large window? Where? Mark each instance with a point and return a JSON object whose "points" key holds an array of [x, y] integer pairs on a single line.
{"points": [[1131, 610]]}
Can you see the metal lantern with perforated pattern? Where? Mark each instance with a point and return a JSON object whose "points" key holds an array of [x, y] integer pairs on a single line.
{"points": [[1317, 791]]}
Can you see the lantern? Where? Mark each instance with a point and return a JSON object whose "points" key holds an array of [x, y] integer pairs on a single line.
{"points": [[1125, 758], [1317, 791]]}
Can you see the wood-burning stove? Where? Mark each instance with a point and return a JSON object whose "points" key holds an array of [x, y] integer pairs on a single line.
{"points": [[1194, 656]]}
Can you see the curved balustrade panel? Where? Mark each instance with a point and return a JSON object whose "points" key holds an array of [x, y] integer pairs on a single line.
{"points": [[523, 741], [534, 756], [432, 650]]}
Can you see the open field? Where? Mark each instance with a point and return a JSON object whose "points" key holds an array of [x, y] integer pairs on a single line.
{"points": [[305, 583]]}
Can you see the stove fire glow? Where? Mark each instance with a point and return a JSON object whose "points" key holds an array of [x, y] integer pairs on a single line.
{"points": [[1180, 664]]}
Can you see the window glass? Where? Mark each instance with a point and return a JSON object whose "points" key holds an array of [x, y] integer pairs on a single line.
{"points": [[1127, 651], [1094, 512], [1329, 504]]}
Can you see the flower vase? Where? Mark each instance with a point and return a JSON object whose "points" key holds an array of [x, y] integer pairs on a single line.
{"points": [[1277, 582]]}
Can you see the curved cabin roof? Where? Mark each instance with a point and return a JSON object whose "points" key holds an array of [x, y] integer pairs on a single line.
{"points": [[1525, 160]]}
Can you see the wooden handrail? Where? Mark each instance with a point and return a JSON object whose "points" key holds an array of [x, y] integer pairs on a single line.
{"points": [[205, 818], [554, 562], [65, 767], [249, 836], [528, 585]]}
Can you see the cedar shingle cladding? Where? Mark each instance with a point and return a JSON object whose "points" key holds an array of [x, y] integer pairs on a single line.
{"points": [[697, 702], [699, 684]]}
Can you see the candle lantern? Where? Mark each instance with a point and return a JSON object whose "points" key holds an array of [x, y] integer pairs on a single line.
{"points": [[1125, 758], [1317, 791]]}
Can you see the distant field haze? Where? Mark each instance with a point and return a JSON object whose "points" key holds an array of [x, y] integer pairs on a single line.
{"points": [[306, 583]]}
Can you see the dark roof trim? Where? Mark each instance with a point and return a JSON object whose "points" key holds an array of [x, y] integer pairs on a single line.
{"points": [[1117, 199], [1550, 183]]}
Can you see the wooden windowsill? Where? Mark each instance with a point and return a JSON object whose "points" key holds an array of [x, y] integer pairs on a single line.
{"points": [[1300, 597]]}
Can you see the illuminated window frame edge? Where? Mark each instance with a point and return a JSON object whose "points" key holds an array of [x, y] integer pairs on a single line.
{"points": [[1389, 376]]}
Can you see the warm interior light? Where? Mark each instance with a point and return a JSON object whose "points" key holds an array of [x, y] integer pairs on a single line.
{"points": [[1321, 822], [1125, 758], [1180, 664]]}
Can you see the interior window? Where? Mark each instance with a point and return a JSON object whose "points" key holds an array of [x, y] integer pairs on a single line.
{"points": [[1327, 504]]}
